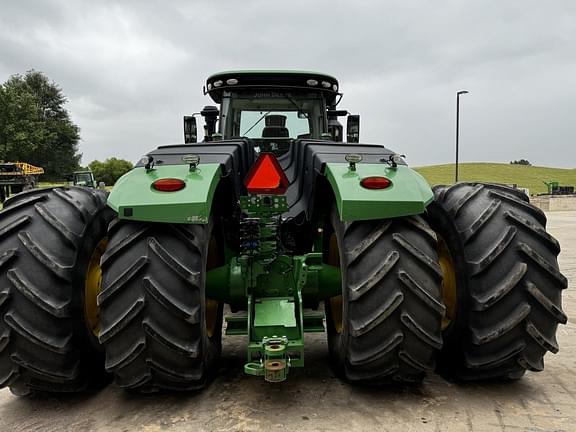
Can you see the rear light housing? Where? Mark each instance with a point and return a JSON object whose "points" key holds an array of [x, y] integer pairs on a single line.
{"points": [[168, 185], [375, 182]]}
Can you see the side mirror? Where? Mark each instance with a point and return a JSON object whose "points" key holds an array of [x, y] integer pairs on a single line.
{"points": [[190, 129], [353, 129]]}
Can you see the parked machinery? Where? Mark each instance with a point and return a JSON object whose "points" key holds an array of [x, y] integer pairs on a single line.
{"points": [[16, 177], [297, 231]]}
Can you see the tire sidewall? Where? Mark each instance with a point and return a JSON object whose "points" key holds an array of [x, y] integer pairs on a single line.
{"points": [[86, 221], [337, 342], [442, 223], [211, 346], [96, 231], [91, 352]]}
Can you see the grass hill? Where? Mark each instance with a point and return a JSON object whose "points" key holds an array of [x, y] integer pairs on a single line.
{"points": [[531, 177]]}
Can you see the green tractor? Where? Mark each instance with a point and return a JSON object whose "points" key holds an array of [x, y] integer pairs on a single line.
{"points": [[84, 178], [292, 228]]}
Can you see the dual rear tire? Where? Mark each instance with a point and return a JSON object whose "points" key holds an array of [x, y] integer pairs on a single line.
{"points": [[153, 329], [158, 329], [47, 238], [489, 311], [507, 284], [385, 327]]}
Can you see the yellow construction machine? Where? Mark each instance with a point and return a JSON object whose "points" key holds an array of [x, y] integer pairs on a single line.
{"points": [[16, 177]]}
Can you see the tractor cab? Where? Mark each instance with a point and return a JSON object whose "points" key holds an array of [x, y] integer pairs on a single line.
{"points": [[84, 179], [272, 109]]}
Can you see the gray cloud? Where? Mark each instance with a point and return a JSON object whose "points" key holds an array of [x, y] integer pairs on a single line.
{"points": [[132, 69]]}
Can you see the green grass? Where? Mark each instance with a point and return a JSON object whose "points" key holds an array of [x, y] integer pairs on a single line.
{"points": [[531, 177], [42, 185]]}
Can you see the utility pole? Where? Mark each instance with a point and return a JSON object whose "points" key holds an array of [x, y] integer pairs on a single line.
{"points": [[458, 130]]}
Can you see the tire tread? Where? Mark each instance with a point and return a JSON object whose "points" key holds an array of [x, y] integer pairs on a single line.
{"points": [[46, 234], [510, 282]]}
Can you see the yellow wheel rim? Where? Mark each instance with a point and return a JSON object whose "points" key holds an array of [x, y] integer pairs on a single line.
{"points": [[92, 285], [336, 312], [211, 314], [336, 305], [448, 283]]}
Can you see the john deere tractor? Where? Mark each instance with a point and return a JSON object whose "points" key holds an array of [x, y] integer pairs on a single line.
{"points": [[294, 230], [83, 178]]}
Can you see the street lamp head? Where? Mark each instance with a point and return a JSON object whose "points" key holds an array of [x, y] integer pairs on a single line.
{"points": [[462, 92]]}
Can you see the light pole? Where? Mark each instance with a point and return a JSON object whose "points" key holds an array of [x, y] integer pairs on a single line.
{"points": [[458, 129]]}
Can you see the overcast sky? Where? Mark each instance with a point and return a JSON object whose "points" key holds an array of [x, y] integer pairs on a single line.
{"points": [[131, 70]]}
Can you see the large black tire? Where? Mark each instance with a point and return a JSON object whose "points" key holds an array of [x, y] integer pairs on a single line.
{"points": [[47, 238], [16, 189], [391, 302], [508, 282], [153, 307]]}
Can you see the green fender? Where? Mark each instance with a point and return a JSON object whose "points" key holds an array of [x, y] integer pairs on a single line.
{"points": [[409, 193], [134, 198]]}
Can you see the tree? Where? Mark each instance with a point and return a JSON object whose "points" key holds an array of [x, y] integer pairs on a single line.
{"points": [[520, 162], [110, 170], [35, 127]]}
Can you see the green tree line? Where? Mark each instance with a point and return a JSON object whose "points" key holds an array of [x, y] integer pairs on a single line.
{"points": [[110, 170], [520, 162], [35, 127]]}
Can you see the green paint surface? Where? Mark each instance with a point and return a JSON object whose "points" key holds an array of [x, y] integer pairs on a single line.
{"points": [[274, 312], [190, 205], [409, 193]]}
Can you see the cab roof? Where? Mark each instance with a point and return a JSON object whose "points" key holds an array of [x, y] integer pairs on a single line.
{"points": [[285, 79]]}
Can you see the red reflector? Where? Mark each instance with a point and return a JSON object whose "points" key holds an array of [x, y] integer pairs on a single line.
{"points": [[168, 185], [266, 176], [375, 182]]}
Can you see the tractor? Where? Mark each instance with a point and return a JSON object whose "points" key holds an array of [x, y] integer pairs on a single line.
{"points": [[83, 178], [274, 225]]}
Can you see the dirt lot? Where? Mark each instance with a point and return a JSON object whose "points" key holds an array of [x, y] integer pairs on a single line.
{"points": [[313, 399]]}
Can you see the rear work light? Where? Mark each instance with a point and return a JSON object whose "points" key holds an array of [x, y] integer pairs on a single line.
{"points": [[168, 185], [266, 176], [375, 182]]}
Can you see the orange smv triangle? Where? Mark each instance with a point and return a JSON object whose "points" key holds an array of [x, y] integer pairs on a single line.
{"points": [[266, 176]]}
